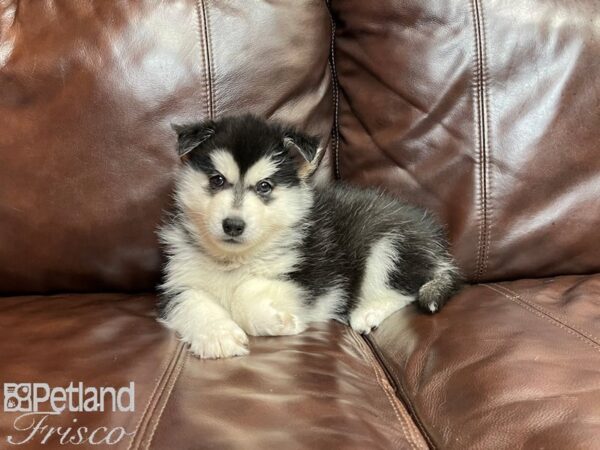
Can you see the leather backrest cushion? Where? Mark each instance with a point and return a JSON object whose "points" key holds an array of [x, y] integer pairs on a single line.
{"points": [[486, 112], [87, 93]]}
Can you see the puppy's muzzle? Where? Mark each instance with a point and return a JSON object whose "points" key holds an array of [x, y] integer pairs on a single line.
{"points": [[233, 226]]}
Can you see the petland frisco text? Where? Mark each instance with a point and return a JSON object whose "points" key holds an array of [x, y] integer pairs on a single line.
{"points": [[40, 405]]}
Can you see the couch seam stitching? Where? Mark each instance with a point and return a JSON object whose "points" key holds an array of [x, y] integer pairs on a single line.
{"points": [[152, 396], [335, 86], [558, 317], [395, 378], [204, 45], [405, 414], [540, 312], [391, 393], [406, 429], [488, 171], [482, 147], [396, 413], [476, 118], [482, 144], [172, 381], [210, 54]]}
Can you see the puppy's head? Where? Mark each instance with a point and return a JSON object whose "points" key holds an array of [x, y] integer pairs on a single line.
{"points": [[244, 180]]}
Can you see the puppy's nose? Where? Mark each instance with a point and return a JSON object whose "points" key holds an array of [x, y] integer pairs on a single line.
{"points": [[233, 226]]}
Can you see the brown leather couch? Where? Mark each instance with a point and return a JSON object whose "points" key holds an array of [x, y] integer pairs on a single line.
{"points": [[487, 112]]}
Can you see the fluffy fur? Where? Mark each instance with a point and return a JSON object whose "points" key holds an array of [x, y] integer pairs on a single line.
{"points": [[254, 249]]}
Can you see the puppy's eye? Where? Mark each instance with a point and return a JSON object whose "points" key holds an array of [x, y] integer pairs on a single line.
{"points": [[216, 181], [264, 187]]}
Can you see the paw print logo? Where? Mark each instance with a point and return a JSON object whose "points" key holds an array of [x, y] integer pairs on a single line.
{"points": [[17, 397]]}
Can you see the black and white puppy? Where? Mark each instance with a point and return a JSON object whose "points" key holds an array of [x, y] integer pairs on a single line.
{"points": [[253, 248]]}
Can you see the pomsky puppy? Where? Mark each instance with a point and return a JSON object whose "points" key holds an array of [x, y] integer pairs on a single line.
{"points": [[254, 249]]}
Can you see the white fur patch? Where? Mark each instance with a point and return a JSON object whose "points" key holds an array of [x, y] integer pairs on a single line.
{"points": [[205, 326], [267, 307], [328, 306], [377, 300], [226, 165], [263, 168]]}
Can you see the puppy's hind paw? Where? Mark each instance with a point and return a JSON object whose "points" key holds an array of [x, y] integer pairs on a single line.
{"points": [[289, 324], [273, 322], [363, 320]]}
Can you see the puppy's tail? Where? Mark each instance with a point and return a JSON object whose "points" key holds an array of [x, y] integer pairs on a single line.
{"points": [[436, 292]]}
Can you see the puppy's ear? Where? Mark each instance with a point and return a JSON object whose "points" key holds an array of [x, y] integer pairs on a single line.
{"points": [[193, 136], [301, 144], [303, 149]]}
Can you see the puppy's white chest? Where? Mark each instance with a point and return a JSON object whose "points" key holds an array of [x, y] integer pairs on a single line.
{"points": [[223, 281]]}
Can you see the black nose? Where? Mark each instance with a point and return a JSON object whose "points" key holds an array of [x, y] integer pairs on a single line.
{"points": [[233, 226]]}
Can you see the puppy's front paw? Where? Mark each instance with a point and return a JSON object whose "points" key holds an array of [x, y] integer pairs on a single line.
{"points": [[221, 339]]}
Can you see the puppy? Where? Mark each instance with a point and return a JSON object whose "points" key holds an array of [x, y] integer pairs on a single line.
{"points": [[254, 249]]}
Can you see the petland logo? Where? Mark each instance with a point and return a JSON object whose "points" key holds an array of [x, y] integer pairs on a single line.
{"points": [[38, 403]]}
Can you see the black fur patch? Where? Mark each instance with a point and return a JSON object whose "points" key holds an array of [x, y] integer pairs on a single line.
{"points": [[345, 223]]}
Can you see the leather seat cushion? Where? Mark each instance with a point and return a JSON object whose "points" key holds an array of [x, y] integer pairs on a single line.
{"points": [[321, 389], [508, 365]]}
